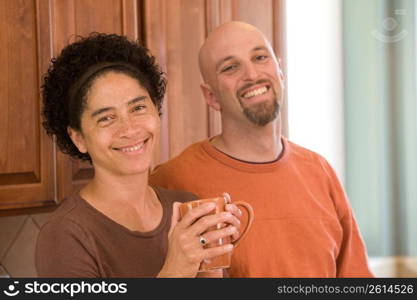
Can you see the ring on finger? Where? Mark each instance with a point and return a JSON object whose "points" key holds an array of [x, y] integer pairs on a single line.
{"points": [[202, 240]]}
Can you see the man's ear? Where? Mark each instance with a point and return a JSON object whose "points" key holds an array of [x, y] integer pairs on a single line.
{"points": [[209, 96], [78, 139]]}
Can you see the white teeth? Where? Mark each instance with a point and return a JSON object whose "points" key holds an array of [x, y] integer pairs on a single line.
{"points": [[134, 148], [256, 92]]}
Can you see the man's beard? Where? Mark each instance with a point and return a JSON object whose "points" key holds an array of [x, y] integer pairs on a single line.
{"points": [[261, 113]]}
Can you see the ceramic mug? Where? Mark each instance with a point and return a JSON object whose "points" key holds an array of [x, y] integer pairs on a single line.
{"points": [[222, 261]]}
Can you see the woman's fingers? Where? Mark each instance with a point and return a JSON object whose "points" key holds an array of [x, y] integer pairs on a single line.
{"points": [[216, 251], [214, 235], [234, 210], [197, 212], [236, 222], [175, 216], [205, 223]]}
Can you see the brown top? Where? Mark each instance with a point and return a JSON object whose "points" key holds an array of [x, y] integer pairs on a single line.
{"points": [[80, 241], [303, 225]]}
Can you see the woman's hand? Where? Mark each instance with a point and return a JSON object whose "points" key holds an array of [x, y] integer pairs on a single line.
{"points": [[234, 210], [185, 251]]}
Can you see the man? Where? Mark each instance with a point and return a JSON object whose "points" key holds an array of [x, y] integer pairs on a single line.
{"points": [[303, 225]]}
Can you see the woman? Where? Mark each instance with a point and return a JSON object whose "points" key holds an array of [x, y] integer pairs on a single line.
{"points": [[102, 100]]}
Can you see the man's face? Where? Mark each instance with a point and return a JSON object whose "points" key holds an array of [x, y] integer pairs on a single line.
{"points": [[245, 76]]}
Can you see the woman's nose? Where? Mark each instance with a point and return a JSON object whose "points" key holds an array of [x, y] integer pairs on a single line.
{"points": [[126, 126]]}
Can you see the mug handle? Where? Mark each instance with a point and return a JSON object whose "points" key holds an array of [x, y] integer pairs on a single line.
{"points": [[249, 209]]}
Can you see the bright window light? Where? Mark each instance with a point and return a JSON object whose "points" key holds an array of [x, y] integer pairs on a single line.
{"points": [[315, 91]]}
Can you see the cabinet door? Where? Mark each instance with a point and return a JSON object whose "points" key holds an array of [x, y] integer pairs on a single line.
{"points": [[81, 17], [26, 167]]}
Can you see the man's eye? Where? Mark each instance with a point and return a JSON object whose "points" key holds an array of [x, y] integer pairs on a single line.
{"points": [[261, 57], [229, 68]]}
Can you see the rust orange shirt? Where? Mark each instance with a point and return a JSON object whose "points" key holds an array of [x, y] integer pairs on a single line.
{"points": [[303, 225]]}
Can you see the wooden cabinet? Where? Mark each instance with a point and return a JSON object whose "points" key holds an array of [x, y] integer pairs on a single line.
{"points": [[26, 164], [33, 173]]}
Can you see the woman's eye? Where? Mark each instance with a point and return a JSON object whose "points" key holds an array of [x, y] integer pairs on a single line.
{"points": [[138, 108], [105, 119]]}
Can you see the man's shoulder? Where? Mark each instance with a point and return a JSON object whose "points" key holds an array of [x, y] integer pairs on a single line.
{"points": [[303, 152], [179, 169], [302, 155], [172, 195], [192, 154]]}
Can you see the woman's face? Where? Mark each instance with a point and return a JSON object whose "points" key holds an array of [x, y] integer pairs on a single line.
{"points": [[119, 126]]}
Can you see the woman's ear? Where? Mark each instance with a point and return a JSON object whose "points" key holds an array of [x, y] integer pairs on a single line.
{"points": [[209, 96], [78, 139]]}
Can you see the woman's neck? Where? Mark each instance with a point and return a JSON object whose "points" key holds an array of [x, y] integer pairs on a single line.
{"points": [[131, 190], [128, 200]]}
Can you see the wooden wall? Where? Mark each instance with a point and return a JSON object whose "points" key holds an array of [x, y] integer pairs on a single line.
{"points": [[33, 173]]}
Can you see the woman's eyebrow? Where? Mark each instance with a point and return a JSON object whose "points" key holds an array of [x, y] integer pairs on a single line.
{"points": [[137, 99], [100, 111], [105, 109]]}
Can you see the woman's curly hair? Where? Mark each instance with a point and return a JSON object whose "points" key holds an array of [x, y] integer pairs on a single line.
{"points": [[62, 110]]}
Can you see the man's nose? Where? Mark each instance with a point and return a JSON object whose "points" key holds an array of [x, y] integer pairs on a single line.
{"points": [[250, 72]]}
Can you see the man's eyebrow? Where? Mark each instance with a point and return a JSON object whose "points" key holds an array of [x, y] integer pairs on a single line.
{"points": [[105, 109], [260, 48]]}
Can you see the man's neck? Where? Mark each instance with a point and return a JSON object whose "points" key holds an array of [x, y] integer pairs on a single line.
{"points": [[251, 143]]}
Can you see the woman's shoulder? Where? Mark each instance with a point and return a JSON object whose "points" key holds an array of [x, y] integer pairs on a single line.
{"points": [[68, 214], [174, 195]]}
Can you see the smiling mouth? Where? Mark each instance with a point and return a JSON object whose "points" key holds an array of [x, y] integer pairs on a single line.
{"points": [[132, 148], [255, 92]]}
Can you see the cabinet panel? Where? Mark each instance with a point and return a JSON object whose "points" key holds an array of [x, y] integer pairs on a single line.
{"points": [[175, 31], [26, 167]]}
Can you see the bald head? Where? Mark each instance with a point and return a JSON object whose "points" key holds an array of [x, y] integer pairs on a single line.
{"points": [[218, 44]]}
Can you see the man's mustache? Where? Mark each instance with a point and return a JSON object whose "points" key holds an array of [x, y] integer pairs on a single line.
{"points": [[250, 84]]}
